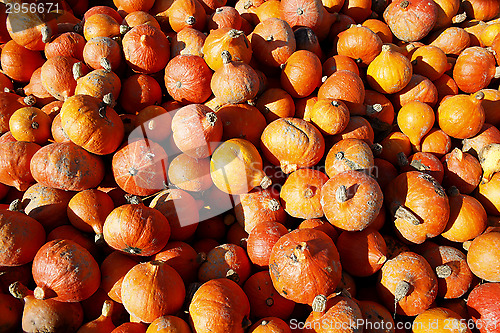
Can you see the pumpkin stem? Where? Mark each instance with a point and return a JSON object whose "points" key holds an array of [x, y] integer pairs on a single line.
{"points": [[15, 205], [373, 109], [77, 70], [124, 29], [105, 64], [18, 290], [133, 171], [78, 28], [226, 57], [43, 293], [340, 155], [335, 103], [417, 164], [459, 18], [234, 33], [480, 95], [107, 308], [248, 4], [30, 100], [402, 289], [298, 252], [132, 250], [402, 159], [466, 245], [264, 322], [269, 301], [377, 149], [219, 10], [273, 205], [497, 74], [34, 125], [458, 154], [99, 239], [453, 191], [201, 258], [381, 260], [404, 4], [386, 47], [265, 182], [341, 194], [133, 199], [407, 215], [232, 275], [190, 20], [308, 193], [443, 271], [300, 11], [319, 303], [46, 34], [211, 118], [269, 38]]}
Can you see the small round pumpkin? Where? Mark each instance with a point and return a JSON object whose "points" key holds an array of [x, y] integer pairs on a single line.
{"points": [[474, 69], [415, 119], [482, 251], [15, 158], [226, 261], [349, 154], [330, 116], [226, 39], [30, 124], [301, 73], [261, 240], [102, 52], [18, 62], [350, 39]]}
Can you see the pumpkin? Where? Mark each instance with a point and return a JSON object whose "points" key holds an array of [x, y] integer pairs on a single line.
{"points": [[59, 75], [483, 306], [367, 257], [390, 71], [236, 167], [427, 163], [15, 160], [30, 29], [306, 149], [380, 28], [101, 25], [436, 142], [330, 116], [151, 290], [139, 167], [264, 299], [213, 227], [153, 122], [166, 324], [337, 63], [188, 41], [407, 195], [9, 103], [450, 265], [261, 240], [187, 79], [321, 225], [113, 270], [461, 170], [196, 130], [87, 211], [481, 10], [99, 83], [102, 10], [349, 40], [275, 103], [348, 154], [415, 119], [489, 104], [481, 252], [226, 261], [223, 17], [468, 74], [21, 235], [489, 134], [452, 40], [190, 174], [133, 6], [440, 319], [186, 13], [259, 206], [343, 194], [303, 13], [357, 128], [69, 232], [47, 315], [375, 315], [104, 322], [345, 86], [407, 284], [136, 229], [297, 81], [303, 264], [102, 53], [66, 166], [177, 206], [379, 110], [222, 299], [235, 82], [35, 90], [140, 17], [30, 124], [411, 20], [464, 121], [18, 62], [139, 91], [47, 205], [226, 39], [306, 39], [13, 310], [396, 147], [244, 121], [55, 281], [183, 258], [146, 49], [270, 324], [429, 61], [68, 44], [301, 193], [419, 89]]}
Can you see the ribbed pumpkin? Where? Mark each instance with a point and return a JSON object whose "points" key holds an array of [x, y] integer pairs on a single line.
{"points": [[66, 166], [474, 69], [136, 229], [226, 39], [99, 83], [92, 124], [59, 75], [15, 160], [349, 154], [55, 280], [304, 263], [236, 167], [151, 290], [235, 81], [187, 79], [419, 206], [350, 39], [343, 195], [346, 86], [102, 52], [292, 143], [389, 72], [146, 49]]}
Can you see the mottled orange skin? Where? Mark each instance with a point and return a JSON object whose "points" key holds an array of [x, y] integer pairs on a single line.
{"points": [[339, 309], [222, 39], [98, 48], [168, 324], [261, 239], [221, 260], [15, 160], [87, 210], [349, 154]]}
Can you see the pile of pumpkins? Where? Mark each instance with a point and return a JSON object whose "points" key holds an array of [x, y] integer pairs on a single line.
{"points": [[250, 166]]}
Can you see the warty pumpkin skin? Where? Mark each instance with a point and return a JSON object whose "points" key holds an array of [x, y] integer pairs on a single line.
{"points": [[92, 124], [55, 280], [20, 237], [66, 166], [15, 158], [218, 306], [304, 263], [292, 143], [151, 290], [419, 205], [136, 229], [351, 200]]}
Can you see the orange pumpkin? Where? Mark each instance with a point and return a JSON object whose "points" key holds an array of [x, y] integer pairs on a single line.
{"points": [[226, 39], [461, 116], [350, 39]]}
